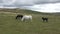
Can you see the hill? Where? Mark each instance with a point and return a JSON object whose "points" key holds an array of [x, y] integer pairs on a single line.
{"points": [[23, 11]]}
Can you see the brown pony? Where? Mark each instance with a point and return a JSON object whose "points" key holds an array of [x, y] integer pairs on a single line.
{"points": [[45, 19], [19, 16]]}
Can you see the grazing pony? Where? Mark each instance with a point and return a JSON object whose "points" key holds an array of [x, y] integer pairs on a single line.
{"points": [[45, 19], [27, 17], [19, 16]]}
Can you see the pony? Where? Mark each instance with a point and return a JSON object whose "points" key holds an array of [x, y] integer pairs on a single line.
{"points": [[27, 17], [45, 19]]}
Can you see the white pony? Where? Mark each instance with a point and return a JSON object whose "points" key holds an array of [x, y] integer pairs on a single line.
{"points": [[27, 17]]}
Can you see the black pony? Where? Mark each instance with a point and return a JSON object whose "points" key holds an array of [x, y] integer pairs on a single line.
{"points": [[19, 16], [45, 19]]}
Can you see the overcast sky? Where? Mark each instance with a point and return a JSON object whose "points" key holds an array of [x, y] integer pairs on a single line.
{"points": [[37, 5]]}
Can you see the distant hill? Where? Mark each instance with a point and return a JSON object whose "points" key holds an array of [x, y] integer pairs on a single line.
{"points": [[17, 10], [25, 11]]}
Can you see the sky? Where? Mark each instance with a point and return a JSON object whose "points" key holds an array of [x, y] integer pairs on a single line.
{"points": [[48, 6]]}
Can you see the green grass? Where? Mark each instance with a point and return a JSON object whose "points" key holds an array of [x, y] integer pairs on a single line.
{"points": [[9, 25]]}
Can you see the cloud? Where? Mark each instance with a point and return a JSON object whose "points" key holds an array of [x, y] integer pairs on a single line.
{"points": [[1, 1], [48, 8], [32, 2], [24, 2], [8, 2], [47, 1], [27, 2]]}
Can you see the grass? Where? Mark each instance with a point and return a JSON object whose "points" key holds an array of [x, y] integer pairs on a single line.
{"points": [[9, 25]]}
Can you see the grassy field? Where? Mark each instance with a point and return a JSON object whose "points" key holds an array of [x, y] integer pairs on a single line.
{"points": [[9, 25]]}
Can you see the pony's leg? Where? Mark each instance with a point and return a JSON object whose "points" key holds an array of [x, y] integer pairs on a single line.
{"points": [[47, 20], [31, 19], [16, 17], [22, 19], [43, 20]]}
